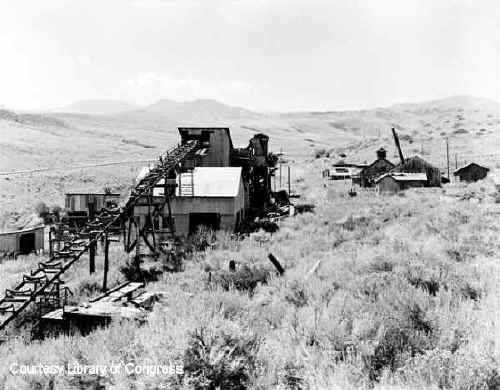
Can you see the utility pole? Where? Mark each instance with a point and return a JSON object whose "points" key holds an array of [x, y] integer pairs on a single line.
{"points": [[289, 191], [448, 156], [456, 161]]}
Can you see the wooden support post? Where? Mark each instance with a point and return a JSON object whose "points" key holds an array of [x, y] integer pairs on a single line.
{"points": [[152, 221], [92, 250], [50, 243], [124, 232], [280, 173], [138, 239], [129, 233], [106, 263], [289, 186], [276, 264], [448, 157]]}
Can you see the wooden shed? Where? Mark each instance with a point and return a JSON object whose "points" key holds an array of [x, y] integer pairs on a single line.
{"points": [[471, 172], [394, 181], [21, 242], [417, 164]]}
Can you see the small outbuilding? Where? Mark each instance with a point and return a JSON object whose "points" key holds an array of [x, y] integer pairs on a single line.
{"points": [[471, 172], [398, 181], [22, 242]]}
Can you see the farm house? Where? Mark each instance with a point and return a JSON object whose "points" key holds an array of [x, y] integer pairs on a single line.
{"points": [[20, 242], [471, 172]]}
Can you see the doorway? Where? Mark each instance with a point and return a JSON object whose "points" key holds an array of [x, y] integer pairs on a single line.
{"points": [[210, 220], [27, 243]]}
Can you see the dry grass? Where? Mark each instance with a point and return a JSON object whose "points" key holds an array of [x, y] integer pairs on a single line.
{"points": [[406, 296]]}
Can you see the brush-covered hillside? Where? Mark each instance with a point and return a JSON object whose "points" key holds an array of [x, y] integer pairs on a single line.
{"points": [[61, 141], [384, 292]]}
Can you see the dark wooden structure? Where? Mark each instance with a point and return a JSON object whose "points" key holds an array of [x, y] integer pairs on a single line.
{"points": [[419, 165], [377, 168], [471, 172]]}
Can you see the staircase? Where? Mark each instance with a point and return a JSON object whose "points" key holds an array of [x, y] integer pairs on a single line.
{"points": [[186, 183]]}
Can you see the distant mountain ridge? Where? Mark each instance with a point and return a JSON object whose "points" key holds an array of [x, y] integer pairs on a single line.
{"points": [[207, 109], [200, 109], [197, 109], [98, 107], [449, 103]]}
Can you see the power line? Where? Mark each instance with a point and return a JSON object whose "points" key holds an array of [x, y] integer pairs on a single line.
{"points": [[36, 170]]}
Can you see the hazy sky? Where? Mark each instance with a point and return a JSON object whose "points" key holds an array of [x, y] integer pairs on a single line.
{"points": [[274, 54]]}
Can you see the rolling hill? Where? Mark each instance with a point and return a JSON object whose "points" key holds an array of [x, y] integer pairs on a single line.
{"points": [[61, 140]]}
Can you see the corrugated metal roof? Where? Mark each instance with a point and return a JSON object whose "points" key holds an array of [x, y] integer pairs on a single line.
{"points": [[26, 230], [403, 176], [210, 182]]}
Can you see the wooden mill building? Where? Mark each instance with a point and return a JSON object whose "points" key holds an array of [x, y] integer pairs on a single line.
{"points": [[217, 189], [471, 172], [216, 199]]}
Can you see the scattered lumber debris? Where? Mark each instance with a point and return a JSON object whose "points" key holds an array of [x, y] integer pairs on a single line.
{"points": [[276, 263], [121, 302], [304, 208], [313, 270]]}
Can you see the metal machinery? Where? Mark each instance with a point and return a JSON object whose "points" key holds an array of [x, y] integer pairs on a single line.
{"points": [[259, 167]]}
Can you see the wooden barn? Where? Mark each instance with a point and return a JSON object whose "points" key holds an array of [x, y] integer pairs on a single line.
{"points": [[417, 164], [471, 172], [368, 174], [396, 181], [210, 196], [21, 242]]}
